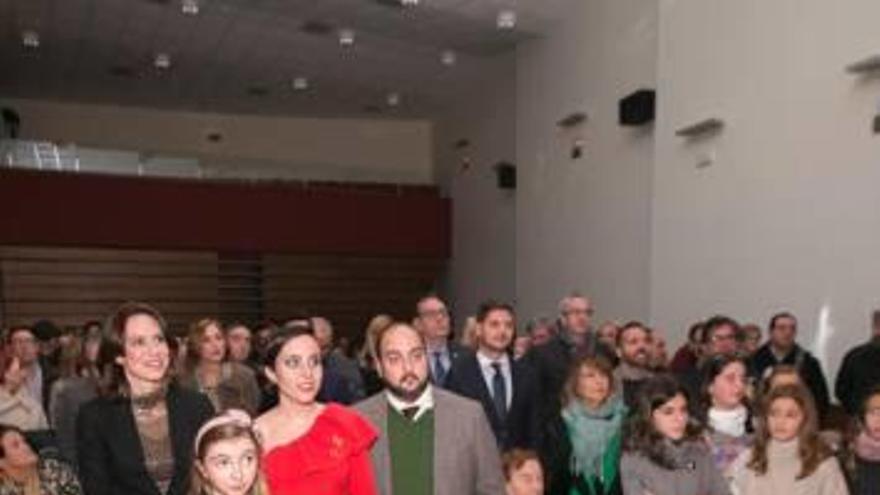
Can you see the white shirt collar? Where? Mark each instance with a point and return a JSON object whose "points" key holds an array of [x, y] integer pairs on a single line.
{"points": [[425, 402], [486, 361]]}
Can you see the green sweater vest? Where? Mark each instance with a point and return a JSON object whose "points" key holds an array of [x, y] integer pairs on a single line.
{"points": [[411, 446]]}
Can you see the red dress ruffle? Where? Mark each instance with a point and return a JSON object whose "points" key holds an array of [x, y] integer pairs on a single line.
{"points": [[332, 458]]}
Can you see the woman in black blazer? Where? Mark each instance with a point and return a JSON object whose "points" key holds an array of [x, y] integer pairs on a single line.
{"points": [[137, 437]]}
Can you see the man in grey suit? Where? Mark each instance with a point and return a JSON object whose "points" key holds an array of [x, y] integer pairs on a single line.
{"points": [[431, 442]]}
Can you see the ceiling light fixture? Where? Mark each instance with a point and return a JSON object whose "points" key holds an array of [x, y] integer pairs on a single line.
{"points": [[448, 57], [30, 38], [393, 99], [162, 61], [300, 83], [409, 3], [189, 7], [506, 19], [346, 37]]}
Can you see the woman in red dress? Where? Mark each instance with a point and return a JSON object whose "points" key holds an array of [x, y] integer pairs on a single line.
{"points": [[309, 447]]}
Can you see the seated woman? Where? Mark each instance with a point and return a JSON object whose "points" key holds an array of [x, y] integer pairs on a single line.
{"points": [[206, 369], [310, 447], [17, 406], [664, 453], [227, 458], [863, 452], [136, 438], [788, 457], [22, 472], [522, 473], [728, 419], [582, 451]]}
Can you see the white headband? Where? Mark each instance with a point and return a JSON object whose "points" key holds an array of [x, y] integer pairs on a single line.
{"points": [[235, 417]]}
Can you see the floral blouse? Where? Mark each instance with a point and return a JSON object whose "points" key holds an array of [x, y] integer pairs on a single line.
{"points": [[55, 477]]}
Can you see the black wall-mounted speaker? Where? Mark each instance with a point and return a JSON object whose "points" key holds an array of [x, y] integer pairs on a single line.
{"points": [[506, 174], [637, 108]]}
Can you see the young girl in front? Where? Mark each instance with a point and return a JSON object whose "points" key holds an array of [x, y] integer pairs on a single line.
{"points": [[227, 457], [788, 457], [664, 452]]}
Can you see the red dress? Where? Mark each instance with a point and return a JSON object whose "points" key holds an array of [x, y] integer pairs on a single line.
{"points": [[332, 458]]}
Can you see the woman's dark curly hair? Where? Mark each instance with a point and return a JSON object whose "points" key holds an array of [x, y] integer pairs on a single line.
{"points": [[640, 435]]}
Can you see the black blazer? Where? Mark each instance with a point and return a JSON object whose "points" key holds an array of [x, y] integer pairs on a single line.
{"points": [[521, 428], [111, 459]]}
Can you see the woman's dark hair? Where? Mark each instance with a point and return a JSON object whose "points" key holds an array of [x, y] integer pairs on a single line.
{"points": [[639, 433], [113, 382], [811, 449], [710, 371], [281, 337]]}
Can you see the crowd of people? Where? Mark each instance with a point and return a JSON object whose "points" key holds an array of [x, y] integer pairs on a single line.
{"points": [[564, 407]]}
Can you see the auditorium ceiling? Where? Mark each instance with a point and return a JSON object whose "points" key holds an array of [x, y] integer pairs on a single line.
{"points": [[276, 57]]}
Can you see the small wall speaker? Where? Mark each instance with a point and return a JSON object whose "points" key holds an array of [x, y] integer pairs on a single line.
{"points": [[506, 175], [637, 108]]}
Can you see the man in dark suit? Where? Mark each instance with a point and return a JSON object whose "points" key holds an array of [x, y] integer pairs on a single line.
{"points": [[506, 388], [432, 320], [552, 360]]}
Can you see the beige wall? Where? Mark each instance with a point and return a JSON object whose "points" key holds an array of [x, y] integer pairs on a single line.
{"points": [[329, 149], [483, 261], [787, 217], [585, 224]]}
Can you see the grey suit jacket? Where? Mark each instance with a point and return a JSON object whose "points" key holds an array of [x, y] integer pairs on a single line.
{"points": [[466, 459]]}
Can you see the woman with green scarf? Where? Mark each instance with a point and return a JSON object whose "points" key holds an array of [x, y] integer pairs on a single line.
{"points": [[582, 448]]}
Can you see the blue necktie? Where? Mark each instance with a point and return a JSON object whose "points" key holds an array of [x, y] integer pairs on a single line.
{"points": [[499, 392], [439, 369]]}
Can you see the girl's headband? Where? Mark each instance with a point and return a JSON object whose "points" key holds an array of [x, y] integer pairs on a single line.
{"points": [[235, 417]]}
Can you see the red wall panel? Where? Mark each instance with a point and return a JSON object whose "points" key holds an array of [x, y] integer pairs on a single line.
{"points": [[47, 208]]}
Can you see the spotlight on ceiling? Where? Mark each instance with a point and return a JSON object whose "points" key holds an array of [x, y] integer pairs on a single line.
{"points": [[393, 99], [346, 37], [409, 3], [506, 19], [162, 61], [300, 83], [30, 38], [448, 57], [189, 7]]}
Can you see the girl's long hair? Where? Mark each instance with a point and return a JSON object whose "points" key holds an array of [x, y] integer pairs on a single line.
{"points": [[811, 449]]}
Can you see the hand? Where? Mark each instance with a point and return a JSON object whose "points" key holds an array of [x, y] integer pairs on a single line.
{"points": [[14, 376]]}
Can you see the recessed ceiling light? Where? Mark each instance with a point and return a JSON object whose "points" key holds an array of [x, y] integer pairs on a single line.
{"points": [[448, 57], [506, 19], [393, 99], [30, 38], [346, 37], [162, 61], [300, 83], [409, 3], [189, 7]]}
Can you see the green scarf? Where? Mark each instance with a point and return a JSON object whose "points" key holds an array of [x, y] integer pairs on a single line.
{"points": [[595, 439]]}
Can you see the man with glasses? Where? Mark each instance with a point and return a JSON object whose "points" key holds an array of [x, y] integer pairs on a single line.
{"points": [[782, 349], [432, 321], [574, 339]]}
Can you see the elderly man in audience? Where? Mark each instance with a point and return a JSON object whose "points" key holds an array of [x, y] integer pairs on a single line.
{"points": [[860, 370], [432, 320], [506, 388], [431, 442], [634, 350], [552, 360], [782, 348], [335, 360], [38, 375]]}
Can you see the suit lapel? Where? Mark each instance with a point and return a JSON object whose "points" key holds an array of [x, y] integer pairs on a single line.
{"points": [[483, 390]]}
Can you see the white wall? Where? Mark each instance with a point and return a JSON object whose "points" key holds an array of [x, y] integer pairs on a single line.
{"points": [[585, 224], [789, 215], [253, 146], [483, 261]]}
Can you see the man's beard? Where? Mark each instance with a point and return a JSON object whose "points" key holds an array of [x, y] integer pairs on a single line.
{"points": [[403, 394]]}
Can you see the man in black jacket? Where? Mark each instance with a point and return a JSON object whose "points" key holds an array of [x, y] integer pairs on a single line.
{"points": [[506, 388], [782, 349], [552, 360], [433, 322], [860, 370]]}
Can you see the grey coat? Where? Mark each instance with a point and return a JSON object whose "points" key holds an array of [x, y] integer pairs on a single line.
{"points": [[466, 459], [695, 474]]}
